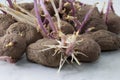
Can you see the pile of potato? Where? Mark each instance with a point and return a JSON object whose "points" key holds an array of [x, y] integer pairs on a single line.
{"points": [[99, 33]]}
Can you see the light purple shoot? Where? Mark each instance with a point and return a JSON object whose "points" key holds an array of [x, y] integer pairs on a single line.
{"points": [[3, 12], [86, 19], [47, 16], [109, 7], [77, 23], [112, 7], [39, 19], [10, 3]]}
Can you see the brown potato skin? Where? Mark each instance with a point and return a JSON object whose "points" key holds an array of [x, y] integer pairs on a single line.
{"points": [[28, 32], [45, 58], [107, 40], [27, 6], [94, 20], [66, 27], [2, 32], [113, 23], [17, 50], [88, 47], [5, 21]]}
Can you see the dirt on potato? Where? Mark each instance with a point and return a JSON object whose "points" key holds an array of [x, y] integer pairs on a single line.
{"points": [[5, 21], [12, 45], [28, 32], [46, 58]]}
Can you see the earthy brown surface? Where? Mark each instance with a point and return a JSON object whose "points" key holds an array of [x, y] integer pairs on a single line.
{"points": [[45, 57], [66, 27], [16, 50], [2, 32], [28, 32], [107, 40], [88, 47], [5, 21], [113, 23], [94, 20], [27, 6]]}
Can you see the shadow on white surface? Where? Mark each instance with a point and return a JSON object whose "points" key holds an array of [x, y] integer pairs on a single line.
{"points": [[106, 68]]}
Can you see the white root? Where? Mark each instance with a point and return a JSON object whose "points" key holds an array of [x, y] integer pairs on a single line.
{"points": [[75, 59], [56, 46], [45, 49], [72, 60], [57, 51], [62, 61], [80, 53]]}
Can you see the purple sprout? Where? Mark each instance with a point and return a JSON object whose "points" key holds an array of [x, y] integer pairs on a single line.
{"points": [[47, 15], [112, 8], [10, 3], [109, 7], [77, 23], [3, 12], [39, 18], [86, 19]]}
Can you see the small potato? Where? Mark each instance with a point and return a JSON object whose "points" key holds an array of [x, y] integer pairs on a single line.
{"points": [[89, 48], [107, 40], [113, 23], [12, 45], [46, 57], [94, 20], [5, 21], [41, 54], [66, 27], [26, 31]]}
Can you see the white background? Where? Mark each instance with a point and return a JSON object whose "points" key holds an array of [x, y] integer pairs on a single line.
{"points": [[106, 68]]}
